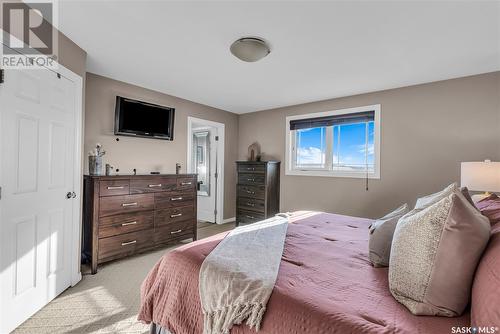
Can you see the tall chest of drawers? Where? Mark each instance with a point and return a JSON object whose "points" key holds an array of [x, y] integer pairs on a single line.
{"points": [[258, 190], [125, 215]]}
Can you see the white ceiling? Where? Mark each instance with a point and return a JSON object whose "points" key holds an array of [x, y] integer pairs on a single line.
{"points": [[320, 50]]}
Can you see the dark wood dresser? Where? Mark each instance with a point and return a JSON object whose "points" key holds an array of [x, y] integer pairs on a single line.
{"points": [[258, 190], [125, 215]]}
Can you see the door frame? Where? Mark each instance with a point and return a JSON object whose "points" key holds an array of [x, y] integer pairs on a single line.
{"points": [[76, 224], [220, 159], [76, 233]]}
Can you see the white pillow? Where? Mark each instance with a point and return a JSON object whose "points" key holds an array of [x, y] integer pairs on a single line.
{"points": [[427, 201]]}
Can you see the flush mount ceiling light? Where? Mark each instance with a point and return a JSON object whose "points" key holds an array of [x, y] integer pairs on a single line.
{"points": [[250, 49]]}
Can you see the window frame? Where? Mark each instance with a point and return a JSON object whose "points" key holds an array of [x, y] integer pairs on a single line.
{"points": [[291, 152]]}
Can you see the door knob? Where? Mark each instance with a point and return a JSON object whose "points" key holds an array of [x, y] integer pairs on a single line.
{"points": [[70, 194]]}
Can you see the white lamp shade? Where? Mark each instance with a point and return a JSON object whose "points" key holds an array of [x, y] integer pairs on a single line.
{"points": [[481, 176]]}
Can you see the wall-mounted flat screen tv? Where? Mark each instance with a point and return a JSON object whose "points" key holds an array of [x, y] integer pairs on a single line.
{"points": [[141, 119]]}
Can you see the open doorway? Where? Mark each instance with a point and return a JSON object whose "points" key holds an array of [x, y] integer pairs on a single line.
{"points": [[206, 159]]}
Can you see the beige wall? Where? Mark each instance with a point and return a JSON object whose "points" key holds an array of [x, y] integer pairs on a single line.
{"points": [[426, 131], [149, 154], [72, 56]]}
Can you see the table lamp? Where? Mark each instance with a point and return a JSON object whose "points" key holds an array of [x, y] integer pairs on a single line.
{"points": [[481, 176]]}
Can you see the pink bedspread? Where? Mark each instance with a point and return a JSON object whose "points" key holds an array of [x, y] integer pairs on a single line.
{"points": [[325, 285]]}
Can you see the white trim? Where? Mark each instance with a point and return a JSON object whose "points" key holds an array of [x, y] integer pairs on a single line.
{"points": [[220, 155], [229, 220], [76, 274], [289, 140]]}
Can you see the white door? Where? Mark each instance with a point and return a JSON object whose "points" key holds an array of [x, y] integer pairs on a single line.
{"points": [[206, 158], [205, 165], [37, 166]]}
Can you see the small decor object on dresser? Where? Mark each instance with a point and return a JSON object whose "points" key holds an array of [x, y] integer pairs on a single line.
{"points": [[258, 190], [109, 169], [254, 152], [125, 215], [95, 160]]}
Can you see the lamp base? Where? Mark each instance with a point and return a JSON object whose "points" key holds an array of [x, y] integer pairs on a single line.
{"points": [[476, 198]]}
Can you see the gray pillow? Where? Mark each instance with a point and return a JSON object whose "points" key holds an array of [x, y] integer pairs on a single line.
{"points": [[381, 231], [434, 255], [465, 192]]}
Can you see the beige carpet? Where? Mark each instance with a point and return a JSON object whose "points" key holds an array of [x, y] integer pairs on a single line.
{"points": [[106, 302]]}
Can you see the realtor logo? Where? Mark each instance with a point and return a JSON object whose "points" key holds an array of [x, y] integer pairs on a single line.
{"points": [[29, 36]]}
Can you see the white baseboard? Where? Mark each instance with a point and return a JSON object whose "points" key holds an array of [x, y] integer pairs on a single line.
{"points": [[229, 220]]}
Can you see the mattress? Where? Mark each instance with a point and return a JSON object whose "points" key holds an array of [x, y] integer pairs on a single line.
{"points": [[325, 284]]}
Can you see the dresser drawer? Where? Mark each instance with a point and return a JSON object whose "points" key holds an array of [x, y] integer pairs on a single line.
{"points": [[120, 224], [186, 183], [149, 185], [113, 188], [125, 244], [177, 230], [247, 217], [173, 215], [174, 199], [252, 191], [251, 168], [252, 204], [122, 204], [251, 179]]}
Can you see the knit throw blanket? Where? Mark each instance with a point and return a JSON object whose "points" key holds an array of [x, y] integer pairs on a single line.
{"points": [[238, 276]]}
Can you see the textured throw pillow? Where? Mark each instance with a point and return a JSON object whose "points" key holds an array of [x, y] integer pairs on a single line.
{"points": [[485, 310], [434, 255], [381, 232], [490, 207]]}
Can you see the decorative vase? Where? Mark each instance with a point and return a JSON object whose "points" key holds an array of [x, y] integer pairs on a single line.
{"points": [[95, 165], [253, 151]]}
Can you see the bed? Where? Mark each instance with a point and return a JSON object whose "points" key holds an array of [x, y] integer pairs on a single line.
{"points": [[325, 284]]}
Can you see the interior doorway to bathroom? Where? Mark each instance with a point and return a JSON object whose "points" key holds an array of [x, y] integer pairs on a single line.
{"points": [[206, 159]]}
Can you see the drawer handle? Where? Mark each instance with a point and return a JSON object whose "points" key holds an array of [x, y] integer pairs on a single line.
{"points": [[115, 187], [250, 204], [250, 192], [186, 183], [250, 168], [155, 185], [177, 215], [176, 199], [251, 217], [129, 223], [175, 232], [253, 180], [129, 242], [129, 204]]}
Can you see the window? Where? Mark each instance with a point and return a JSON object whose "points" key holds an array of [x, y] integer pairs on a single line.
{"points": [[311, 148], [343, 143]]}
